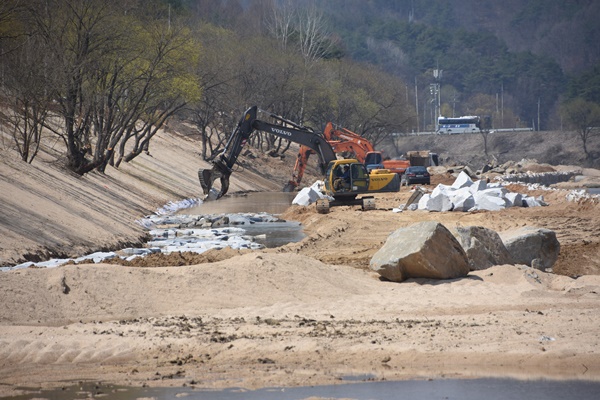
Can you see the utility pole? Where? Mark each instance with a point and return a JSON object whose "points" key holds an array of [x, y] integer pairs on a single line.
{"points": [[502, 105], [417, 103], [454, 101], [437, 96], [538, 113]]}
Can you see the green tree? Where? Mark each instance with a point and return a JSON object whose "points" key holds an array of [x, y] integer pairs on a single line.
{"points": [[78, 34], [115, 74]]}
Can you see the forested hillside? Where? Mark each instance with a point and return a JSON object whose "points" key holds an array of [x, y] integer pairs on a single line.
{"points": [[99, 78]]}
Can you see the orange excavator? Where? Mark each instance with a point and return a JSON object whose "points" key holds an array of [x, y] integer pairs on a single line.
{"points": [[343, 140]]}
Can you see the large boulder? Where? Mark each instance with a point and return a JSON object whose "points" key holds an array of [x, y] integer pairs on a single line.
{"points": [[527, 244], [483, 247], [462, 199], [462, 180], [423, 250], [488, 200]]}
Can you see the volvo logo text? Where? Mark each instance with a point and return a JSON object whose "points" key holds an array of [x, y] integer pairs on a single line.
{"points": [[281, 132]]}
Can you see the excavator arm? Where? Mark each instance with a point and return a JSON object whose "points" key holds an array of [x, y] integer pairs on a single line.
{"points": [[225, 161], [299, 168]]}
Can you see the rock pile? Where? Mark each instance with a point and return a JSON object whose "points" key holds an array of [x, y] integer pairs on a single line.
{"points": [[424, 250], [429, 250], [468, 195]]}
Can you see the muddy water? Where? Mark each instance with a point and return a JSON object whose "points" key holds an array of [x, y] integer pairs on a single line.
{"points": [[268, 202], [274, 203], [490, 389], [593, 190]]}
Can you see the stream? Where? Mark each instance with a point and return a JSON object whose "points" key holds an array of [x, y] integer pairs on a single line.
{"points": [[248, 221]]}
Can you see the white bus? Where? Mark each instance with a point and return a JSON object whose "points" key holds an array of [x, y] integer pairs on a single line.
{"points": [[451, 126]]}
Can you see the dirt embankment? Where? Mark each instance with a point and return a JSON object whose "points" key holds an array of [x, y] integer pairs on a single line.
{"points": [[49, 212], [549, 147]]}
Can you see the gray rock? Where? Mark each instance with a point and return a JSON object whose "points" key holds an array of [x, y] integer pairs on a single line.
{"points": [[462, 180], [221, 221], [528, 243], [514, 199], [439, 201], [483, 247], [424, 250], [462, 199], [470, 172], [478, 186], [485, 200]]}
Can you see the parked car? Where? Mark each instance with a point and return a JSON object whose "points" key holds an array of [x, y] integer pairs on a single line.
{"points": [[415, 175]]}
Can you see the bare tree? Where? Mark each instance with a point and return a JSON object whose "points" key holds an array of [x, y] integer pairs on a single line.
{"points": [[161, 85], [26, 96], [313, 35], [25, 119], [114, 78], [482, 105], [584, 117], [313, 42], [77, 35], [280, 24], [12, 34]]}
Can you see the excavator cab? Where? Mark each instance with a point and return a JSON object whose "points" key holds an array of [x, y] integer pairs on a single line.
{"points": [[346, 179], [361, 183]]}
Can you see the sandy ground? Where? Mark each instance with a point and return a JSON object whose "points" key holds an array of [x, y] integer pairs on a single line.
{"points": [[303, 314]]}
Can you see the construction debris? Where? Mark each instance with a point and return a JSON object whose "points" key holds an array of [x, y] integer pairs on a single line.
{"points": [[468, 195]]}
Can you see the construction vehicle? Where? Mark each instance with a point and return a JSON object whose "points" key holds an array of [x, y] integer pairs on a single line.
{"points": [[423, 158], [225, 161], [343, 191], [343, 140], [344, 188]]}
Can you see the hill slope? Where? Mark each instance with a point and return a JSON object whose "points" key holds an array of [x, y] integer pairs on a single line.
{"points": [[556, 147]]}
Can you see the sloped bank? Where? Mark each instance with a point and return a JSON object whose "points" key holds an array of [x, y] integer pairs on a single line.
{"points": [[49, 212]]}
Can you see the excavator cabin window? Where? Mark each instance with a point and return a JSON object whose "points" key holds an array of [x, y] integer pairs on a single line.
{"points": [[360, 181], [342, 181]]}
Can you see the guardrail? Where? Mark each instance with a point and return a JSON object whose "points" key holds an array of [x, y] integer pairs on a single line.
{"points": [[398, 134]]}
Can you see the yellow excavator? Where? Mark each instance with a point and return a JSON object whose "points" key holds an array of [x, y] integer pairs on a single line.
{"points": [[345, 180]]}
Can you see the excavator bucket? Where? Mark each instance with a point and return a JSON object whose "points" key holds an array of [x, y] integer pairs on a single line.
{"points": [[289, 187], [207, 178]]}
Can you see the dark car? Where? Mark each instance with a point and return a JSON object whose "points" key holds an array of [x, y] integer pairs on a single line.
{"points": [[415, 175]]}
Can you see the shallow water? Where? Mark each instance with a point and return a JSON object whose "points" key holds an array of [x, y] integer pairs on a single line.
{"points": [[274, 203], [593, 190], [255, 202], [475, 389]]}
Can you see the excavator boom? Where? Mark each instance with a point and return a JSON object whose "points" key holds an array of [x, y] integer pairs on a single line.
{"points": [[225, 161]]}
